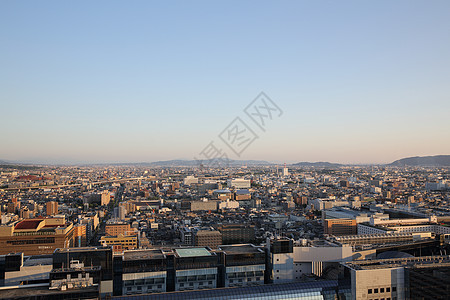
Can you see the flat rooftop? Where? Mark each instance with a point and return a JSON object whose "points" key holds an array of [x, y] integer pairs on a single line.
{"points": [[143, 254], [82, 249], [192, 252], [237, 249], [399, 262]]}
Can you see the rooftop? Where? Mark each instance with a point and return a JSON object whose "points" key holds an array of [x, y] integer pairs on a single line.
{"points": [[143, 254], [236, 249], [192, 252], [399, 262], [28, 224]]}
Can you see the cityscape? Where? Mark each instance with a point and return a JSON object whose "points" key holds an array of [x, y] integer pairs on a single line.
{"points": [[225, 150], [339, 232]]}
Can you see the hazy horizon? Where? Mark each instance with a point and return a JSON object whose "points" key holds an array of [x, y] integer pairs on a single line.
{"points": [[106, 82]]}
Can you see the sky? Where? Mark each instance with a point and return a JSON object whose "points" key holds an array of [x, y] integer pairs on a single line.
{"points": [[141, 81]]}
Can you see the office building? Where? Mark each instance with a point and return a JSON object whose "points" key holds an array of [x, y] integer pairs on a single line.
{"points": [[51, 208], [36, 236], [115, 228], [339, 227], [124, 241], [207, 238], [236, 233]]}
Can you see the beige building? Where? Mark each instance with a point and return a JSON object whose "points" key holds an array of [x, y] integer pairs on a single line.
{"points": [[36, 236]]}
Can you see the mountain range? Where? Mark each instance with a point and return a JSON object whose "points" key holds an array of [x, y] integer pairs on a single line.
{"points": [[433, 161], [429, 161]]}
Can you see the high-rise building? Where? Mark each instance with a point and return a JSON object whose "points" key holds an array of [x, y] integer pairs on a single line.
{"points": [[285, 171], [51, 208]]}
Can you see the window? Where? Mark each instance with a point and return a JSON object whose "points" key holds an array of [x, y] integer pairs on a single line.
{"points": [[388, 290], [375, 291], [394, 288], [382, 290], [370, 291]]}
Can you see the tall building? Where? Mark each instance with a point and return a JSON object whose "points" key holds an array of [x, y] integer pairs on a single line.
{"points": [[105, 198], [51, 208], [285, 171], [281, 260]]}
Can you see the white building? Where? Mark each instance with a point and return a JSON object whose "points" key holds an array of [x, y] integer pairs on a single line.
{"points": [[239, 183]]}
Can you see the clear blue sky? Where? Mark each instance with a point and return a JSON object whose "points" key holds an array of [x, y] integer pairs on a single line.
{"points": [[115, 81]]}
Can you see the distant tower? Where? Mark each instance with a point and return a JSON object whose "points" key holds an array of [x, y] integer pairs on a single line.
{"points": [[285, 170]]}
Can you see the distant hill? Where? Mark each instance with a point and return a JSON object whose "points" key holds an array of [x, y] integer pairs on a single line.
{"points": [[316, 164], [432, 161], [189, 163], [172, 163]]}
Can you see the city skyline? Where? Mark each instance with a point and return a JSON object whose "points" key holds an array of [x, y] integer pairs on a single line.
{"points": [[358, 83]]}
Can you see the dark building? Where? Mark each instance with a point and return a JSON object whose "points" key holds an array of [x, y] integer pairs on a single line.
{"points": [[90, 257], [429, 282], [237, 233]]}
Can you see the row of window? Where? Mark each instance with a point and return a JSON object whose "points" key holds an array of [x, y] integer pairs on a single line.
{"points": [[381, 290]]}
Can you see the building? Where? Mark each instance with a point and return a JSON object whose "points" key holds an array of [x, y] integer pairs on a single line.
{"points": [[51, 208], [228, 204], [380, 239], [16, 270], [116, 228], [207, 238], [140, 271], [223, 194], [196, 268], [241, 195], [124, 241], [399, 278], [237, 233], [339, 227], [79, 236], [245, 265], [187, 236], [120, 212], [93, 257], [189, 180], [239, 183], [204, 205], [285, 171], [105, 198], [281, 260], [36, 236]]}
